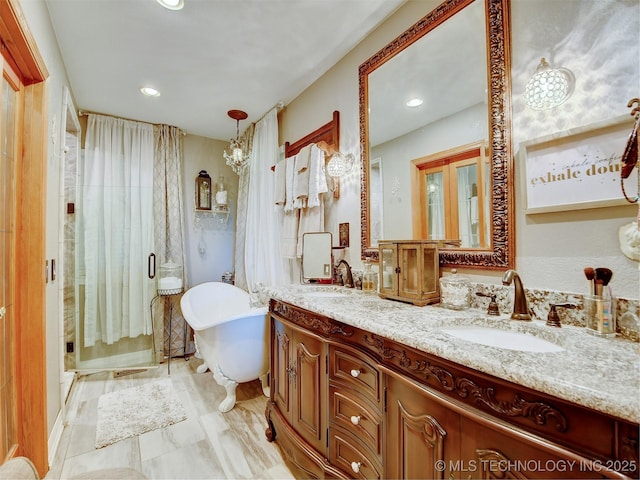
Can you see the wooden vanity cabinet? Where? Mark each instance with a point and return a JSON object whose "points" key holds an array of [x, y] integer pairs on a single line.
{"points": [[429, 436], [347, 403], [299, 381]]}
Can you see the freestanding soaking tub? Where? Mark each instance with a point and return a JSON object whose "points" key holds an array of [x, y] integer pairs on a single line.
{"points": [[230, 336]]}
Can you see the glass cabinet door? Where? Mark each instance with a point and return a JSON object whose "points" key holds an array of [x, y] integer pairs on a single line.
{"points": [[409, 284], [430, 270], [388, 263]]}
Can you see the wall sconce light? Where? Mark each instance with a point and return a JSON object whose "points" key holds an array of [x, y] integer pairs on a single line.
{"points": [[203, 191], [549, 87], [340, 164], [236, 155]]}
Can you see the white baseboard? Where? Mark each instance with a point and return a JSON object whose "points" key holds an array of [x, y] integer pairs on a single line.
{"points": [[56, 435]]}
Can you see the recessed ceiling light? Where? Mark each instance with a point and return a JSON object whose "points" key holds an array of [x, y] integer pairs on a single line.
{"points": [[150, 92], [172, 4], [414, 102]]}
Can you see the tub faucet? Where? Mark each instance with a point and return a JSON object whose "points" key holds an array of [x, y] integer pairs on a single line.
{"points": [[520, 305], [348, 282]]}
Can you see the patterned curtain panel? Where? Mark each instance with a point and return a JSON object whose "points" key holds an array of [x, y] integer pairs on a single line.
{"points": [[169, 237], [241, 217]]}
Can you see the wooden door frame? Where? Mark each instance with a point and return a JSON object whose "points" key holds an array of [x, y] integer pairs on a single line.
{"points": [[29, 260]]}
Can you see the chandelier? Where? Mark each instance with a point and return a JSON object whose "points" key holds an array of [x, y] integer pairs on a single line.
{"points": [[549, 87], [236, 155]]}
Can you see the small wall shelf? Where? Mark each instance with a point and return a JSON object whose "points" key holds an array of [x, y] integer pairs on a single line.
{"points": [[221, 214]]}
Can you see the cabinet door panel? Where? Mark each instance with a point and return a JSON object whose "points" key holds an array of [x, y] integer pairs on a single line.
{"points": [[489, 453], [422, 435], [281, 366], [310, 389], [409, 260]]}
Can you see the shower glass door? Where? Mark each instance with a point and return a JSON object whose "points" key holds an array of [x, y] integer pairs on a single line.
{"points": [[112, 291]]}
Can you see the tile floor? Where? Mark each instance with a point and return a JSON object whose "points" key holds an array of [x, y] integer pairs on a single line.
{"points": [[208, 445]]}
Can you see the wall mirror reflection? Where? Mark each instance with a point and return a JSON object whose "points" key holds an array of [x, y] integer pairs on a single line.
{"points": [[317, 259], [435, 136]]}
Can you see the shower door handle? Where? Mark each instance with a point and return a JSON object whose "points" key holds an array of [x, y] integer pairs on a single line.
{"points": [[152, 262]]}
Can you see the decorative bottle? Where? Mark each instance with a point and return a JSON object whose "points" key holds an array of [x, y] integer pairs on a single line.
{"points": [[368, 278], [221, 194]]}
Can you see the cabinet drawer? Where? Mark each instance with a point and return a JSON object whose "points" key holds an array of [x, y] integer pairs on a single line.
{"points": [[357, 371], [357, 417], [346, 453]]}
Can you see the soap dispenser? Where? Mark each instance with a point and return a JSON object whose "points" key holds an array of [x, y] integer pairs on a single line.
{"points": [[454, 291]]}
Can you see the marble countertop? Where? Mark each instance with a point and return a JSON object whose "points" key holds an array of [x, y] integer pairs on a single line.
{"points": [[599, 373]]}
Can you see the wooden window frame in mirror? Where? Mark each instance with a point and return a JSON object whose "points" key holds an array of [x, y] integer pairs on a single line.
{"points": [[501, 252]]}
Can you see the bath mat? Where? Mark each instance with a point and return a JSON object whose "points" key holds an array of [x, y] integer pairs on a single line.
{"points": [[134, 411]]}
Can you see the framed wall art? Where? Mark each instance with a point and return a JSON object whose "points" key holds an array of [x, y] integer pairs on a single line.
{"points": [[576, 169], [343, 234]]}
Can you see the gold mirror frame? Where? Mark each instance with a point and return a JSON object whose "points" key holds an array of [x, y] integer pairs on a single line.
{"points": [[501, 253]]}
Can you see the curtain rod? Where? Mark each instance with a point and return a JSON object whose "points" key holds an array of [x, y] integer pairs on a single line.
{"points": [[84, 112], [280, 106]]}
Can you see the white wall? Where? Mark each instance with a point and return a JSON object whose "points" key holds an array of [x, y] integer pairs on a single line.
{"points": [[209, 243], [602, 48]]}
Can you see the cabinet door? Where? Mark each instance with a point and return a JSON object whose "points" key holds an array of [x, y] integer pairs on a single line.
{"points": [[490, 453], [281, 366], [409, 259], [310, 390], [388, 264], [421, 434]]}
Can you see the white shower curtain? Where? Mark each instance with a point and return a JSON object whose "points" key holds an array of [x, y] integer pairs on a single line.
{"points": [[117, 221], [262, 260]]}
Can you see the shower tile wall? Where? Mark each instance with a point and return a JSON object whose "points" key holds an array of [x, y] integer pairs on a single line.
{"points": [[69, 263]]}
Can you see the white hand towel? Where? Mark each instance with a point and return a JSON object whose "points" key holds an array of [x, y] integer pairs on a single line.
{"points": [[288, 182], [289, 234], [301, 178], [280, 189], [317, 177]]}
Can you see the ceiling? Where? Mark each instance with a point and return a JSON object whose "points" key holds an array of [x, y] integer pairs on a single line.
{"points": [[210, 57]]}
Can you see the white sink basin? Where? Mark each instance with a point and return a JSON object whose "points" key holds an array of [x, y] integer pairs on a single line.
{"points": [[494, 337], [325, 294]]}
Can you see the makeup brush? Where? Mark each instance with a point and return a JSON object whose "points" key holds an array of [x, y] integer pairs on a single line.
{"points": [[590, 273], [605, 275], [602, 279]]}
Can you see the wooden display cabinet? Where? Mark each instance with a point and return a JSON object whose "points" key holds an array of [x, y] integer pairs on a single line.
{"points": [[409, 271]]}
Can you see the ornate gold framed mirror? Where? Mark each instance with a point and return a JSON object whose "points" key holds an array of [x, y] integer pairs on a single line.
{"points": [[470, 94]]}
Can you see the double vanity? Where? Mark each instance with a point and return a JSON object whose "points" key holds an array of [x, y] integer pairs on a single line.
{"points": [[363, 387]]}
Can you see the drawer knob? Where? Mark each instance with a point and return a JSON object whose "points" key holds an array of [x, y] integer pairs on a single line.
{"points": [[355, 373], [355, 419], [355, 466]]}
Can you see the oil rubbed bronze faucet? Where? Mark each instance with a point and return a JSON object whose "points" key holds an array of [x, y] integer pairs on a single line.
{"points": [[520, 305], [348, 282]]}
